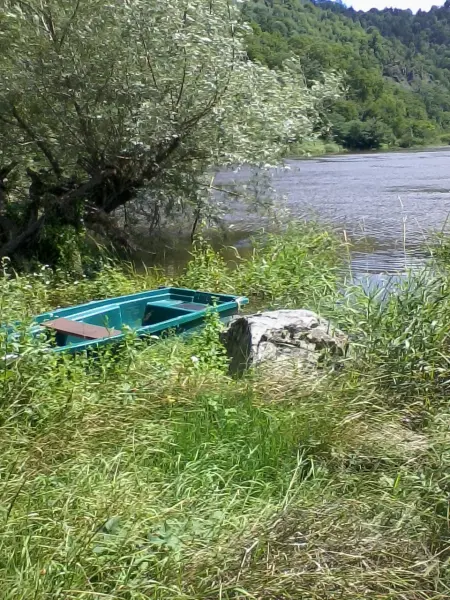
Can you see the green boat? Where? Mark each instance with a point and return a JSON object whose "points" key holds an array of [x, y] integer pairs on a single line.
{"points": [[149, 313]]}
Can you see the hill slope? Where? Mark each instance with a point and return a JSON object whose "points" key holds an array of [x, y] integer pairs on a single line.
{"points": [[396, 65]]}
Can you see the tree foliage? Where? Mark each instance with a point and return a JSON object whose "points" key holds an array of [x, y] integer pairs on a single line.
{"points": [[102, 100], [396, 64]]}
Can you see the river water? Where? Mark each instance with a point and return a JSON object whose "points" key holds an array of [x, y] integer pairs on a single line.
{"points": [[387, 203]]}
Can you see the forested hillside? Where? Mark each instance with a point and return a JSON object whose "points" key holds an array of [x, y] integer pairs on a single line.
{"points": [[396, 66]]}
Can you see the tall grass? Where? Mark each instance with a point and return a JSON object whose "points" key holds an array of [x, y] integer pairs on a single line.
{"points": [[299, 268], [149, 473]]}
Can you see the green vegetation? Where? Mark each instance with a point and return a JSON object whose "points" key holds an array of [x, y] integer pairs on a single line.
{"points": [[316, 147], [116, 117], [149, 473], [395, 66], [146, 471], [112, 113]]}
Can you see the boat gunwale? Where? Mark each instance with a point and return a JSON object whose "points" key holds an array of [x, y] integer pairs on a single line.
{"points": [[227, 302]]}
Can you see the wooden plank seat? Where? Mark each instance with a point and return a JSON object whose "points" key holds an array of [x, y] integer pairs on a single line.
{"points": [[80, 329]]}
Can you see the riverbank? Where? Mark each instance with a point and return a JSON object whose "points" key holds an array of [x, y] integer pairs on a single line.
{"points": [[314, 149], [151, 474], [318, 148]]}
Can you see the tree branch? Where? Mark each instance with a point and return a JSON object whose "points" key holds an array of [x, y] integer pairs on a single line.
{"points": [[102, 223], [87, 132], [48, 25], [183, 80], [39, 143], [68, 24], [13, 245], [149, 64]]}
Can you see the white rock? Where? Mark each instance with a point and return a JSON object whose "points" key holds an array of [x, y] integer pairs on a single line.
{"points": [[297, 335]]}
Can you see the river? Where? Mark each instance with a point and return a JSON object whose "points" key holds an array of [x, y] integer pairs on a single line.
{"points": [[387, 203]]}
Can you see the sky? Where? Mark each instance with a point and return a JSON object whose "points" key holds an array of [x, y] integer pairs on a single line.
{"points": [[414, 5]]}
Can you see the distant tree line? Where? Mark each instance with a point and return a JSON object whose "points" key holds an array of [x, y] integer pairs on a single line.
{"points": [[396, 66]]}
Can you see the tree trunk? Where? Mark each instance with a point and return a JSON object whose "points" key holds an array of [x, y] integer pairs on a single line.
{"points": [[7, 227], [103, 193]]}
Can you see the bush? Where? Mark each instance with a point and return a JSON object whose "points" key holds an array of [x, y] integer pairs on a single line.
{"points": [[362, 135], [401, 335], [332, 148], [314, 148], [445, 138]]}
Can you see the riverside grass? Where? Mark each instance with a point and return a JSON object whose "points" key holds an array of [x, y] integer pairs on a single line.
{"points": [[149, 473]]}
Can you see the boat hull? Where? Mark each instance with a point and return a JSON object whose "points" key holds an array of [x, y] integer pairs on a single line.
{"points": [[149, 313]]}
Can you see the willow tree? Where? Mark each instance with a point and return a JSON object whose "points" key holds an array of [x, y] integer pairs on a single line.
{"points": [[101, 99]]}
